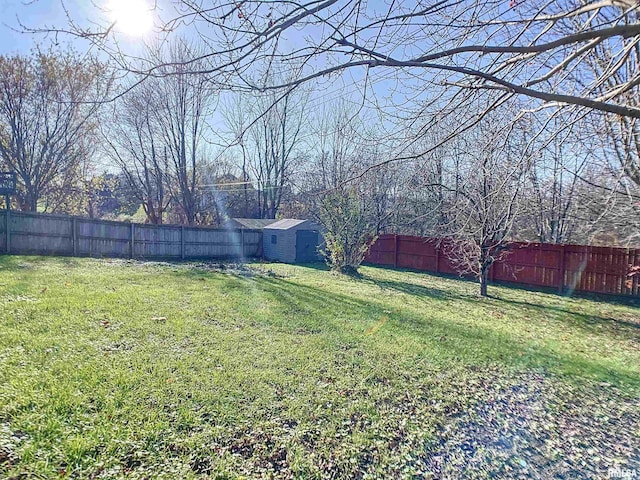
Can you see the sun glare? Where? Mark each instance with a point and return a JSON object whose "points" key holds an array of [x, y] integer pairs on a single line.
{"points": [[131, 17]]}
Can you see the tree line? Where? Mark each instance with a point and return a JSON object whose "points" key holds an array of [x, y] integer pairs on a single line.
{"points": [[530, 134]]}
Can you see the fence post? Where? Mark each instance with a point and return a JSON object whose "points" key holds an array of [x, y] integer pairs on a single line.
{"points": [[395, 250], [182, 242], [74, 236], [561, 271], [8, 230], [132, 240], [635, 280], [437, 258]]}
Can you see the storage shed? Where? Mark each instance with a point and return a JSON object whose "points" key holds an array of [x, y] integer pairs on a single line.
{"points": [[292, 241]]}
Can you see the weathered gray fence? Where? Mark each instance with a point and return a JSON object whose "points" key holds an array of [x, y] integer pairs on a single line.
{"points": [[43, 234]]}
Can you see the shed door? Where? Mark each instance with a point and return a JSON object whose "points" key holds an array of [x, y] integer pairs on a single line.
{"points": [[306, 246]]}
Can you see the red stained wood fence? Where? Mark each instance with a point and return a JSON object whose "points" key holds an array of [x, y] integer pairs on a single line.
{"points": [[566, 268]]}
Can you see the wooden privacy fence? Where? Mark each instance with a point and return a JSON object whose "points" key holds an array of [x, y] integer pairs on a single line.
{"points": [[42, 234], [563, 267]]}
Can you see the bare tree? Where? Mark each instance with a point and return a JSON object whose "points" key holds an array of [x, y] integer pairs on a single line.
{"points": [[184, 101], [559, 55], [484, 180], [224, 194], [274, 138], [156, 136], [431, 177], [71, 191], [552, 191], [624, 136], [608, 210], [133, 140], [538, 50], [46, 111], [238, 122], [267, 128], [612, 67]]}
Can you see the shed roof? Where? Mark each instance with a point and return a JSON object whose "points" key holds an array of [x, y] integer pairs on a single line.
{"points": [[257, 223], [291, 223]]}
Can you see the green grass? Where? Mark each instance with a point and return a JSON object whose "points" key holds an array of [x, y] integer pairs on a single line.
{"points": [[126, 369]]}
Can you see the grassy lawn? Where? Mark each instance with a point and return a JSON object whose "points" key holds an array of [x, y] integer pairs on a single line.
{"points": [[115, 369]]}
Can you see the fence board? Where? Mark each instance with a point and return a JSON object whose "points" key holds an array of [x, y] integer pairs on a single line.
{"points": [[43, 234], [564, 267]]}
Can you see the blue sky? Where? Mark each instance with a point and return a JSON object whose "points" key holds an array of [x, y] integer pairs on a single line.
{"points": [[35, 14], [42, 14], [51, 13]]}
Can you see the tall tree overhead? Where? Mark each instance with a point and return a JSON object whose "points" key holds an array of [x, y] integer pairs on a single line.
{"points": [[541, 50], [47, 106]]}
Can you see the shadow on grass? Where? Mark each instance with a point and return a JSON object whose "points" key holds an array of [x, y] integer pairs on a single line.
{"points": [[320, 266], [296, 308], [579, 319], [587, 322], [419, 290], [622, 300], [313, 309], [16, 263]]}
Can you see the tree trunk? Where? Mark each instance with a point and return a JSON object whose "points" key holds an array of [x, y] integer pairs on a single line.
{"points": [[484, 278], [32, 202]]}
